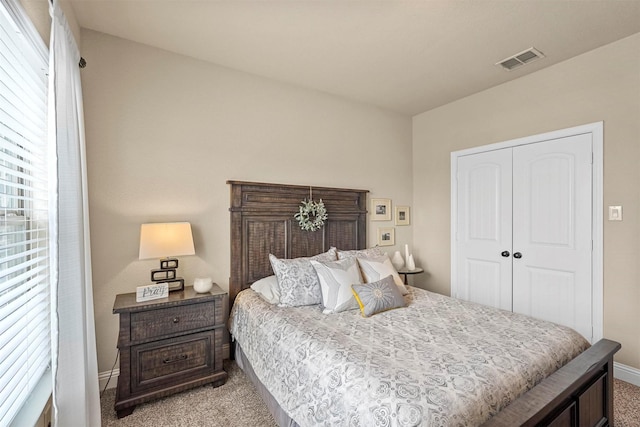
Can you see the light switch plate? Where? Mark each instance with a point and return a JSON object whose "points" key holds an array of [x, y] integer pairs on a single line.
{"points": [[615, 213]]}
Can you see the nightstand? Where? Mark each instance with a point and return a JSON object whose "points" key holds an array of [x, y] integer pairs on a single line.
{"points": [[168, 345], [416, 270]]}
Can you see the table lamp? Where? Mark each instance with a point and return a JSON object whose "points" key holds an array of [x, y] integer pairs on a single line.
{"points": [[166, 241]]}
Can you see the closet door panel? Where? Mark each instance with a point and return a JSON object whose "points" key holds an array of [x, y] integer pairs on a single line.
{"points": [[552, 231], [484, 228]]}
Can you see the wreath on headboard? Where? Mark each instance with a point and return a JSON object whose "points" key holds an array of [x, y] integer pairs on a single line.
{"points": [[311, 215]]}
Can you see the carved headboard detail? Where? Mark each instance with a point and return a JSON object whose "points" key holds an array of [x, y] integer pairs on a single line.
{"points": [[262, 222]]}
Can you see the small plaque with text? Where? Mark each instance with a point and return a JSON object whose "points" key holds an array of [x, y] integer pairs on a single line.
{"points": [[151, 292]]}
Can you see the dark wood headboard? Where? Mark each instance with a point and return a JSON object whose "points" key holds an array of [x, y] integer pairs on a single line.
{"points": [[262, 222]]}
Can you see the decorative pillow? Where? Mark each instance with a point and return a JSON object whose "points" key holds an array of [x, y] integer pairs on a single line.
{"points": [[336, 279], [364, 253], [297, 280], [268, 289], [375, 268], [378, 296]]}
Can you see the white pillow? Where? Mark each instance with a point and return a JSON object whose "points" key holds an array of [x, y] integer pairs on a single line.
{"points": [[336, 279], [377, 268], [268, 289]]}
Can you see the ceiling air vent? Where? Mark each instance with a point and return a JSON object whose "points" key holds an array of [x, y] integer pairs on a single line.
{"points": [[524, 57]]}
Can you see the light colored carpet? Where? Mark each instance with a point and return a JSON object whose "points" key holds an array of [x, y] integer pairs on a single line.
{"points": [[626, 404], [238, 404]]}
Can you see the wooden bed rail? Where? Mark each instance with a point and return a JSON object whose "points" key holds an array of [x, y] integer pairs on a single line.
{"points": [[578, 394]]}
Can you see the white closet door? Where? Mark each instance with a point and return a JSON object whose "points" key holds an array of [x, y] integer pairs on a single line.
{"points": [[552, 231], [484, 228]]}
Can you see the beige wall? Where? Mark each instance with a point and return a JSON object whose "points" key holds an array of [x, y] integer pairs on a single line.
{"points": [[165, 132], [38, 11], [601, 85]]}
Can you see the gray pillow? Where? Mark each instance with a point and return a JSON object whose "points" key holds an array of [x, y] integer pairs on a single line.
{"points": [[361, 253], [377, 297], [297, 280]]}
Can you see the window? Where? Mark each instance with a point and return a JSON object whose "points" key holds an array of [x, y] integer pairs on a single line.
{"points": [[25, 349]]}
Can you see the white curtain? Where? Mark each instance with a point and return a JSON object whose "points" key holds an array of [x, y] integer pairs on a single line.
{"points": [[76, 397]]}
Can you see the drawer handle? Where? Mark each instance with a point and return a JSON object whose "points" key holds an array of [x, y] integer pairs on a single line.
{"points": [[176, 319], [175, 359]]}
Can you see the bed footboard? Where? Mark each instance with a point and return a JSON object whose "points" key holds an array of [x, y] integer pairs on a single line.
{"points": [[578, 394]]}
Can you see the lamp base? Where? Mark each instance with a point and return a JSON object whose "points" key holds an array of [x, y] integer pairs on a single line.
{"points": [[176, 284], [163, 274], [166, 263], [167, 274]]}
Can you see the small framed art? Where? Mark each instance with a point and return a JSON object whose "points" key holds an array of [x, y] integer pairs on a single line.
{"points": [[386, 236], [402, 215], [380, 209]]}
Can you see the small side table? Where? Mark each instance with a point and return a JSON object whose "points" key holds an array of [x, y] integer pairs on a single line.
{"points": [[168, 345], [405, 273]]}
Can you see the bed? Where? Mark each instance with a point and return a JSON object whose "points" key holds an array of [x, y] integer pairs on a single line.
{"points": [[314, 369]]}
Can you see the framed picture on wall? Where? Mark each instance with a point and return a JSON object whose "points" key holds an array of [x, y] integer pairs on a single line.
{"points": [[386, 236], [402, 215], [380, 209]]}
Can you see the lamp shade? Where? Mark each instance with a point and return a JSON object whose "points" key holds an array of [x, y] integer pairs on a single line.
{"points": [[165, 240]]}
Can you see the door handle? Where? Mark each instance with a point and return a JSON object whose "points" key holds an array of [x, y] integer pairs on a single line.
{"points": [[517, 255], [505, 254]]}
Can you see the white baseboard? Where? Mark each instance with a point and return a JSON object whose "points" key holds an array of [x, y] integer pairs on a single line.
{"points": [[626, 373], [104, 376], [113, 382]]}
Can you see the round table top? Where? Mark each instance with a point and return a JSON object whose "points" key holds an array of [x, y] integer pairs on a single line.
{"points": [[414, 271]]}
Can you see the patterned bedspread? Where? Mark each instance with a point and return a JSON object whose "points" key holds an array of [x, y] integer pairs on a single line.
{"points": [[438, 362]]}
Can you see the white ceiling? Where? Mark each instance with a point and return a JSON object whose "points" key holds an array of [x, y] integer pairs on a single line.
{"points": [[406, 56]]}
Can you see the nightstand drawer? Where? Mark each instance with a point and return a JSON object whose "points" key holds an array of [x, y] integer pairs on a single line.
{"points": [[158, 363], [171, 320]]}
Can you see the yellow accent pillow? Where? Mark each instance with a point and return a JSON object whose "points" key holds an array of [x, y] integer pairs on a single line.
{"points": [[377, 297]]}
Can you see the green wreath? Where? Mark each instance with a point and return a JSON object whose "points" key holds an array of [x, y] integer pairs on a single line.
{"points": [[311, 215]]}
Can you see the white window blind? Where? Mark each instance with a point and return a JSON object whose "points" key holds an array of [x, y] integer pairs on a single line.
{"points": [[25, 350]]}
